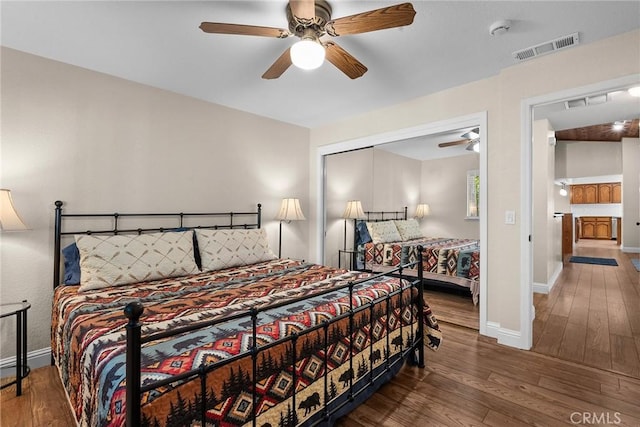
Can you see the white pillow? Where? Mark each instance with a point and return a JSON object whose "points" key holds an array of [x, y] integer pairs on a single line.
{"points": [[409, 229], [383, 232], [107, 261], [232, 248]]}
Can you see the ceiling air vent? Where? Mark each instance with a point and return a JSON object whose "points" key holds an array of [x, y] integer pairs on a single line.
{"points": [[586, 101], [547, 47]]}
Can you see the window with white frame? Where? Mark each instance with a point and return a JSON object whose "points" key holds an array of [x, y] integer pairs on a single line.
{"points": [[473, 194]]}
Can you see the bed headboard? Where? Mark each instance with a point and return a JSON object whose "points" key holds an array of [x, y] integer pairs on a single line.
{"points": [[68, 224], [373, 216]]}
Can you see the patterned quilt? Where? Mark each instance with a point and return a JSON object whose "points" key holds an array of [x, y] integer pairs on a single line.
{"points": [[447, 259], [88, 337]]}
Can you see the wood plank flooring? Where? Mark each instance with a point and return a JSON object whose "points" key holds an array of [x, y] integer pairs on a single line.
{"points": [[592, 314], [470, 380]]}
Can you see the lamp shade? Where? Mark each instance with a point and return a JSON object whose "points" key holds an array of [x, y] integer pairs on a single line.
{"points": [[290, 210], [9, 218], [354, 210], [422, 210]]}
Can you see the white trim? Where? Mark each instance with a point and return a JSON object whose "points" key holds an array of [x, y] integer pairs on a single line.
{"points": [[476, 119], [541, 288], [35, 359], [526, 110], [630, 250], [545, 288], [506, 337]]}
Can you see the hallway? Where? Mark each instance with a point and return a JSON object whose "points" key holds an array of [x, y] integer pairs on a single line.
{"points": [[592, 314]]}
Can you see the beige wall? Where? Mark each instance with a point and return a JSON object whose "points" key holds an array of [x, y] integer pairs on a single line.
{"points": [[349, 176], [381, 180], [501, 96], [547, 257], [631, 194], [444, 189], [103, 144], [576, 159]]}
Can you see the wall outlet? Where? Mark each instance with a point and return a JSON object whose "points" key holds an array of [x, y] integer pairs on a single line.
{"points": [[510, 217]]}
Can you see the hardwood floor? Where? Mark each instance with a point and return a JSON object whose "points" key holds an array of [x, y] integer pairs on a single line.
{"points": [[457, 309], [470, 380], [592, 314]]}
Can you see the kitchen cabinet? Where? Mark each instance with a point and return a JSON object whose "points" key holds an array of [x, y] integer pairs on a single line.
{"points": [[604, 193], [616, 192], [609, 192], [577, 195], [567, 234], [595, 227]]}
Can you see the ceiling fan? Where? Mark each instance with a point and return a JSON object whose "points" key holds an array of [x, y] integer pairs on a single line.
{"points": [[471, 138], [311, 21]]}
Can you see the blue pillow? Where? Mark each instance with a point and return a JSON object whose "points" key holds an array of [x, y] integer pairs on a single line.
{"points": [[362, 233], [71, 265]]}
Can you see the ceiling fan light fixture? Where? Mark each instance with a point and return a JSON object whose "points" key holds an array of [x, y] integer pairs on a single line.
{"points": [[307, 54], [634, 91]]}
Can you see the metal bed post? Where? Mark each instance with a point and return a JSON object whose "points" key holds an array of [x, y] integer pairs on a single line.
{"points": [[133, 311], [420, 308], [56, 243]]}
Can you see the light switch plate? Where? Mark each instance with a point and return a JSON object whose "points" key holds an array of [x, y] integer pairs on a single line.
{"points": [[510, 217]]}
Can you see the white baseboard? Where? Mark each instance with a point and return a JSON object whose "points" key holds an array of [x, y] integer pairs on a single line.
{"points": [[545, 288], [630, 250], [35, 359], [541, 288], [505, 336]]}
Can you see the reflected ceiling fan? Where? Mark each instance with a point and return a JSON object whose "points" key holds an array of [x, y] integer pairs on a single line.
{"points": [[471, 138], [311, 21]]}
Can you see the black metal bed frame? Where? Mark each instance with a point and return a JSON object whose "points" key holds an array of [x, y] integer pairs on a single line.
{"points": [[134, 341], [373, 215]]}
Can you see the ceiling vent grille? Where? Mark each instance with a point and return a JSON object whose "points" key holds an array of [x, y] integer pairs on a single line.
{"points": [[547, 47], [586, 101]]}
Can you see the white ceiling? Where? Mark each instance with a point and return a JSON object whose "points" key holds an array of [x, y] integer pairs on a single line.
{"points": [[159, 44]]}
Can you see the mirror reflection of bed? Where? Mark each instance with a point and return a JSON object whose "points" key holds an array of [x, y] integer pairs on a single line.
{"points": [[401, 175]]}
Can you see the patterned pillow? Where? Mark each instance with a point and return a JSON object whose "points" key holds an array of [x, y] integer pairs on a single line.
{"points": [[232, 248], [107, 261], [409, 229], [383, 232]]}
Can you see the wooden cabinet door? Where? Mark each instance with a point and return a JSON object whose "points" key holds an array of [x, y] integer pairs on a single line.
{"points": [[604, 193], [616, 192], [567, 233], [588, 229], [590, 193], [577, 194], [603, 230]]}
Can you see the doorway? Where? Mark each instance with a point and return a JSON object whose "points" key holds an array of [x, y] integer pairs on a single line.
{"points": [[538, 315]]}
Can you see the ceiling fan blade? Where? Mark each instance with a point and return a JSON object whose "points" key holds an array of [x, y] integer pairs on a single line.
{"points": [[378, 19], [278, 67], [245, 30], [452, 143], [344, 61], [303, 9]]}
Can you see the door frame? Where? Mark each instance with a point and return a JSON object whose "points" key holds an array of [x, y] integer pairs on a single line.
{"points": [[527, 106], [475, 119]]}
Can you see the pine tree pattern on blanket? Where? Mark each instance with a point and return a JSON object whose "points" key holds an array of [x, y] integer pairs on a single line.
{"points": [[94, 320]]}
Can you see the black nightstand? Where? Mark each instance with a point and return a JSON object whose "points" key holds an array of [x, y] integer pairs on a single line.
{"points": [[353, 255], [18, 309]]}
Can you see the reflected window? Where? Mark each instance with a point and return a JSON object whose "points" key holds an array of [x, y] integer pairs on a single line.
{"points": [[473, 194]]}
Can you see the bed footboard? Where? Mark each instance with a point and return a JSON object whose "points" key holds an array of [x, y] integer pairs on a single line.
{"points": [[358, 381]]}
